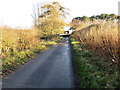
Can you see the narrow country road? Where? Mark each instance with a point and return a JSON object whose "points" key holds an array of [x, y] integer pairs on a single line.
{"points": [[51, 69]]}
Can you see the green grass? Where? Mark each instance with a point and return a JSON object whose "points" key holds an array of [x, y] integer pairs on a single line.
{"points": [[16, 59], [92, 71]]}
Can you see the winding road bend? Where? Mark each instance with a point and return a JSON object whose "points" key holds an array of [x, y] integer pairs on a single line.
{"points": [[51, 69]]}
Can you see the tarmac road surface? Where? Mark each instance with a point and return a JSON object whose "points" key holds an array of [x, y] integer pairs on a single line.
{"points": [[51, 69]]}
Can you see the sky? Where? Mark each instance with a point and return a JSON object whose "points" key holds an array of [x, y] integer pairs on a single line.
{"points": [[17, 13]]}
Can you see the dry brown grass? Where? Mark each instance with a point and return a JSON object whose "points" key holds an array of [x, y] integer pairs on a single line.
{"points": [[78, 25], [17, 39], [101, 38]]}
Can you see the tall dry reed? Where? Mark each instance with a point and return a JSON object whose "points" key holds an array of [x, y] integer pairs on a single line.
{"points": [[101, 38]]}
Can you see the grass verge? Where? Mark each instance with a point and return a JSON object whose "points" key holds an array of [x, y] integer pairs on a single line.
{"points": [[92, 71]]}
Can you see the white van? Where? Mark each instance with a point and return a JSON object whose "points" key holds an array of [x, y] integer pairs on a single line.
{"points": [[67, 30]]}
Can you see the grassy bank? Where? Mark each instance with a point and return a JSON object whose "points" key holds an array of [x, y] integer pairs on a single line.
{"points": [[15, 59], [92, 71]]}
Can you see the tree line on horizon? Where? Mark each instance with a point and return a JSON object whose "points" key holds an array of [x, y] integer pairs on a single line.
{"points": [[105, 17]]}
